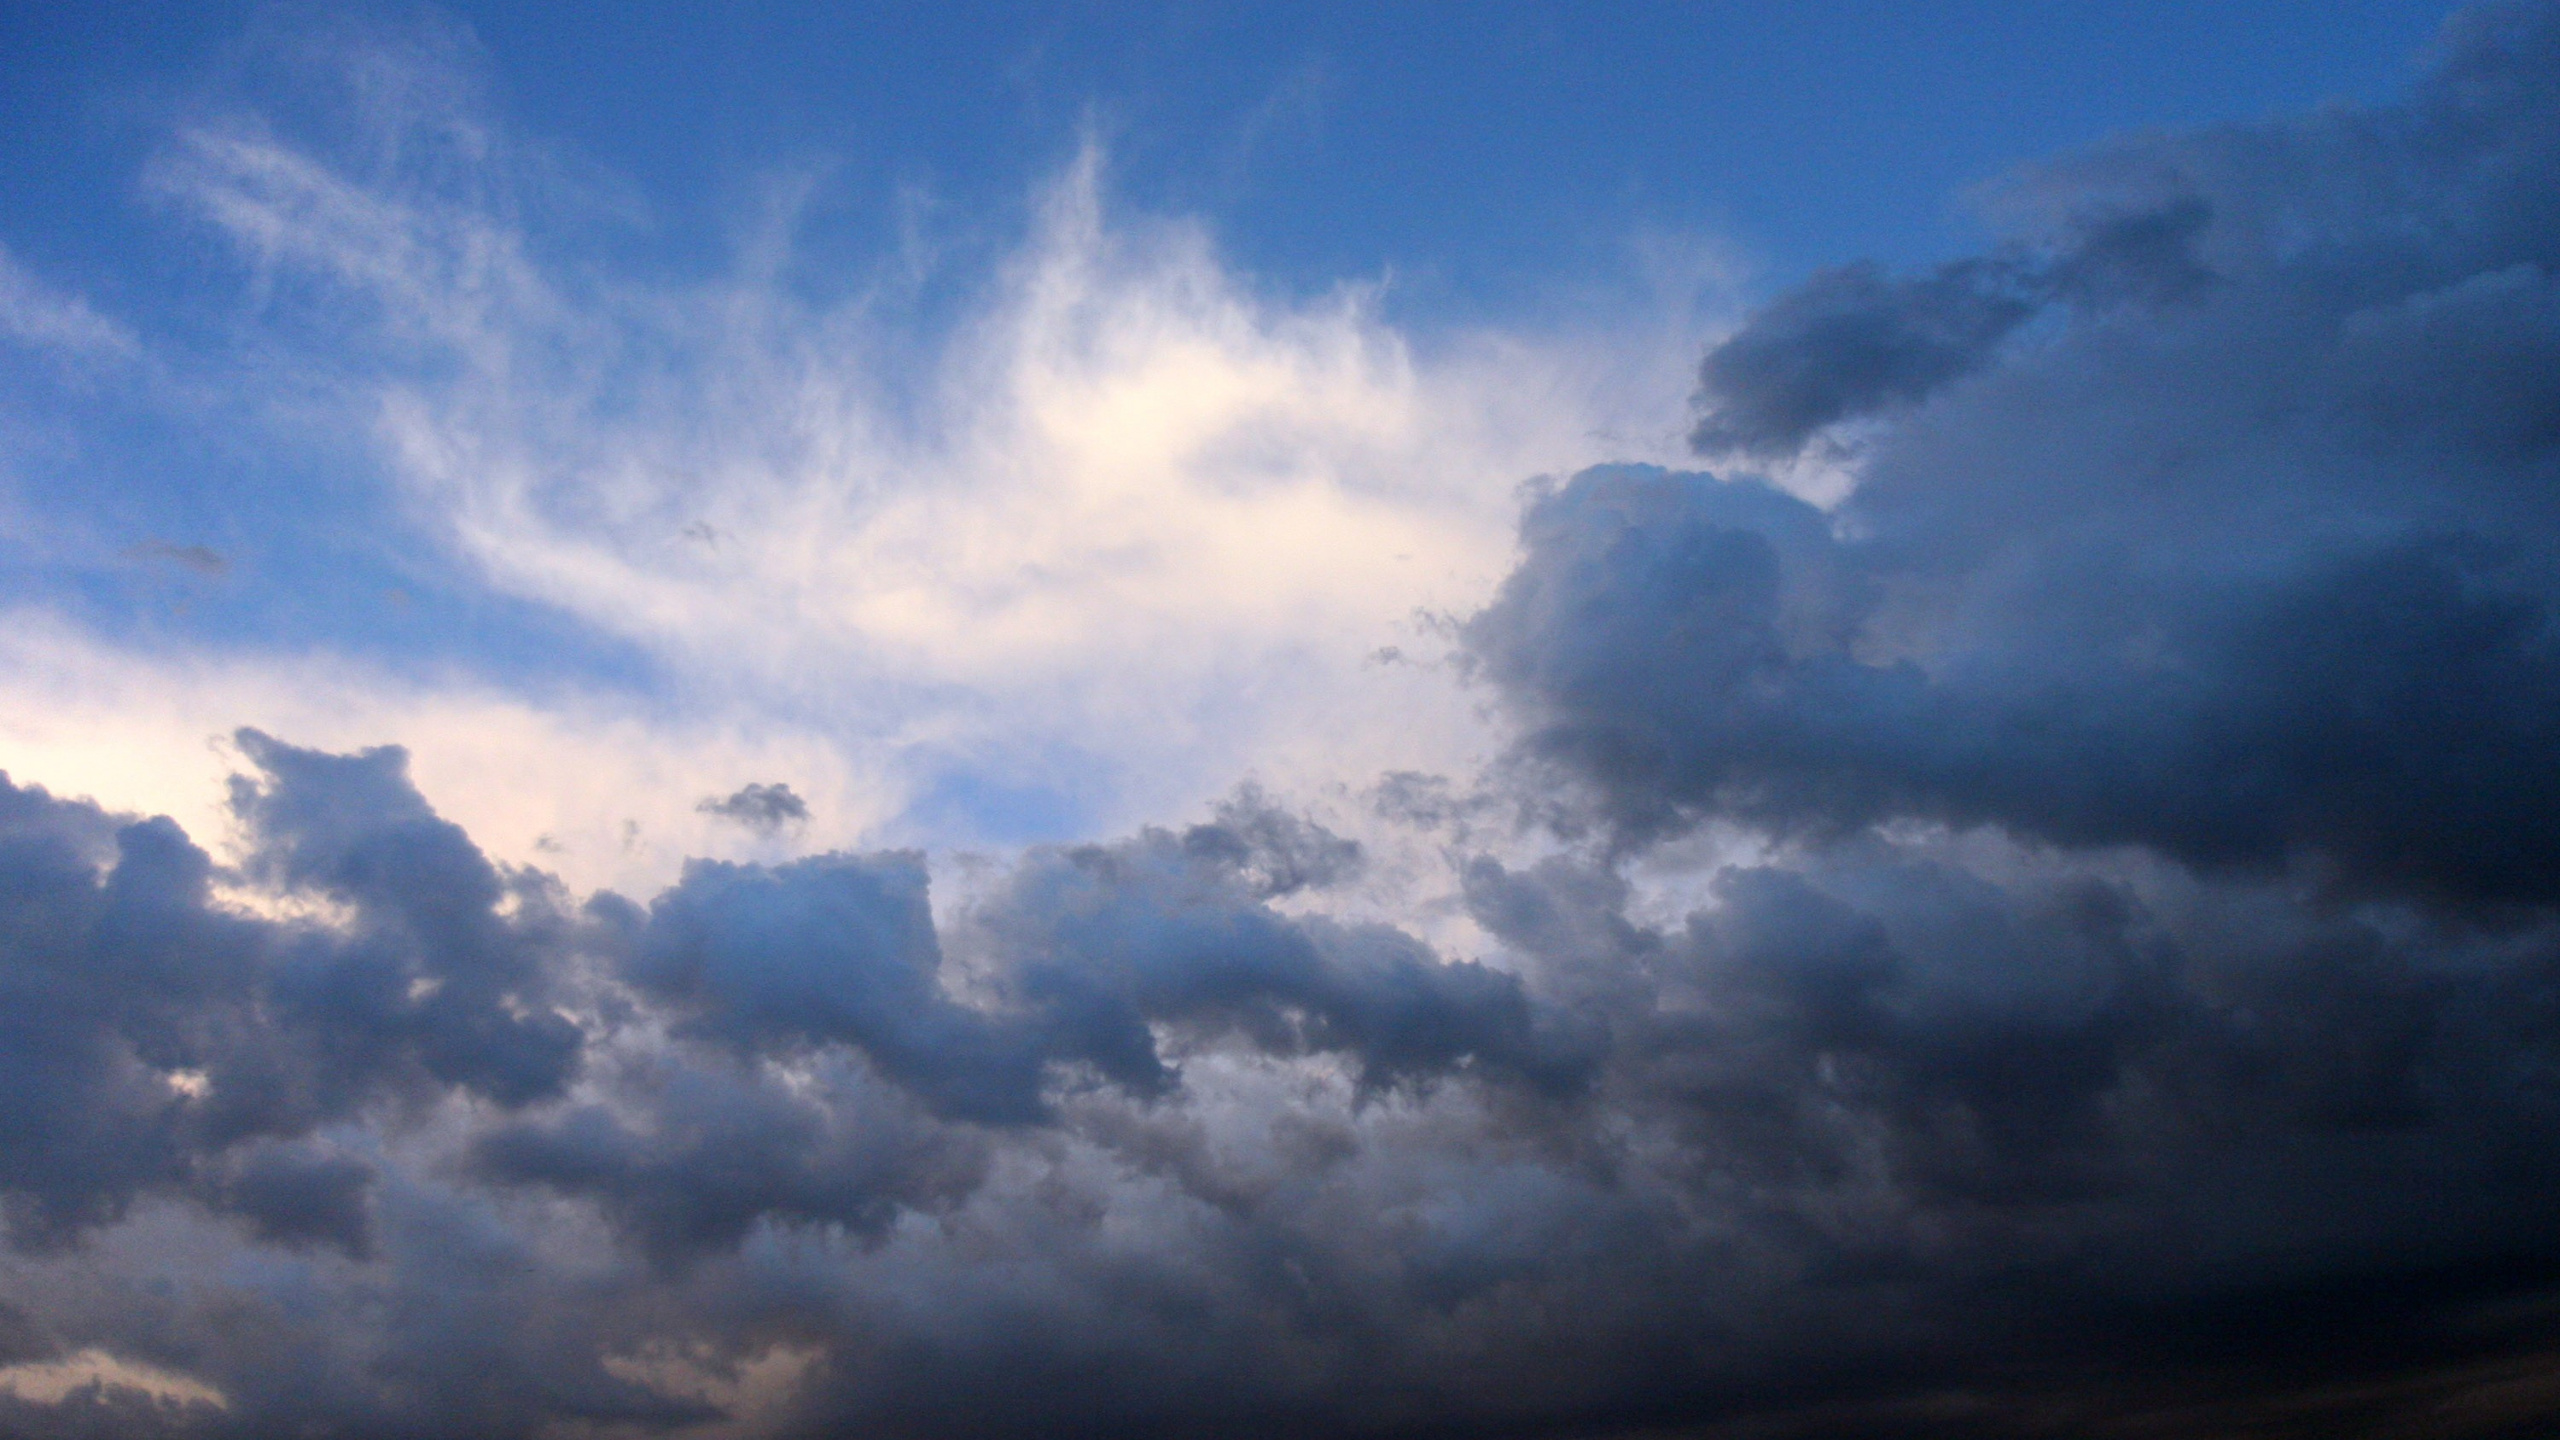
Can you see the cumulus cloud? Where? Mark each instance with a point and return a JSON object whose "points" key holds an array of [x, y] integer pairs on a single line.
{"points": [[2221, 572], [1899, 1102], [154, 1030]]}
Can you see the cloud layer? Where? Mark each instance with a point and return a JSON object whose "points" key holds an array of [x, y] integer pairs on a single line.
{"points": [[2063, 941]]}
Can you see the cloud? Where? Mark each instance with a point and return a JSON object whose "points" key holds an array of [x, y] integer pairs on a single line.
{"points": [[53, 1381], [1082, 950], [832, 949], [717, 1152], [2061, 939], [1887, 1099], [757, 806], [41, 317], [154, 1031], [200, 559], [611, 784], [1104, 944], [1852, 342], [1117, 490], [2219, 570]]}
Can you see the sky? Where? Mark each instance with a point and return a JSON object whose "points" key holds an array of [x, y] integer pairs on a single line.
{"points": [[1171, 720]]}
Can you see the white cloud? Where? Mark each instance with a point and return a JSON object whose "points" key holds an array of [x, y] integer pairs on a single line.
{"points": [[579, 784], [1131, 518], [40, 316]]}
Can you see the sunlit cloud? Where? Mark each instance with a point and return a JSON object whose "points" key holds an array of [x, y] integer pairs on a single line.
{"points": [[50, 1382], [1132, 514]]}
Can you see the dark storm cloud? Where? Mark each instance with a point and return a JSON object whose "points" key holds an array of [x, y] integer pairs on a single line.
{"points": [[444, 959], [2383, 704], [164, 1041], [2108, 1122], [2251, 572], [294, 1196], [716, 1150], [1277, 853], [2066, 941], [837, 949], [151, 1030], [1084, 951], [1881, 1118], [1854, 341], [762, 807], [1851, 341], [1102, 944]]}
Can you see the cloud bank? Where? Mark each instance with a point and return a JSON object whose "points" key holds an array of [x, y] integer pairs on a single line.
{"points": [[2063, 941]]}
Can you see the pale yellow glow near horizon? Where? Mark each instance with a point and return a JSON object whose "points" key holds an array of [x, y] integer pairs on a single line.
{"points": [[50, 1382]]}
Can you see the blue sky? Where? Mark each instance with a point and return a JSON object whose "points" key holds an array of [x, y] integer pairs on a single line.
{"points": [[1329, 721], [1486, 157]]}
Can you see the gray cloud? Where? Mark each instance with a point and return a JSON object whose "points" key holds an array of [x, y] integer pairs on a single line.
{"points": [[295, 1196], [761, 807], [1084, 951], [715, 1150], [198, 558], [2257, 573], [1853, 341], [1875, 1117], [153, 1031], [833, 950]]}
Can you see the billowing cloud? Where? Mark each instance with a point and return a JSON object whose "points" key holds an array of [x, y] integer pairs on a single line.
{"points": [[1868, 1108], [155, 1031], [2254, 573]]}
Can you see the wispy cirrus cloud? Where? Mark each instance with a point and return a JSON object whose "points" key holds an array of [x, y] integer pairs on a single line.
{"points": [[47, 318], [1123, 491]]}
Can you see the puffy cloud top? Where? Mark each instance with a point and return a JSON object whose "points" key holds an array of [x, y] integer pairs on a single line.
{"points": [[2247, 558]]}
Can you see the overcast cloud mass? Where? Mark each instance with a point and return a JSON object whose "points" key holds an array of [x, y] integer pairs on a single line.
{"points": [[1151, 888]]}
